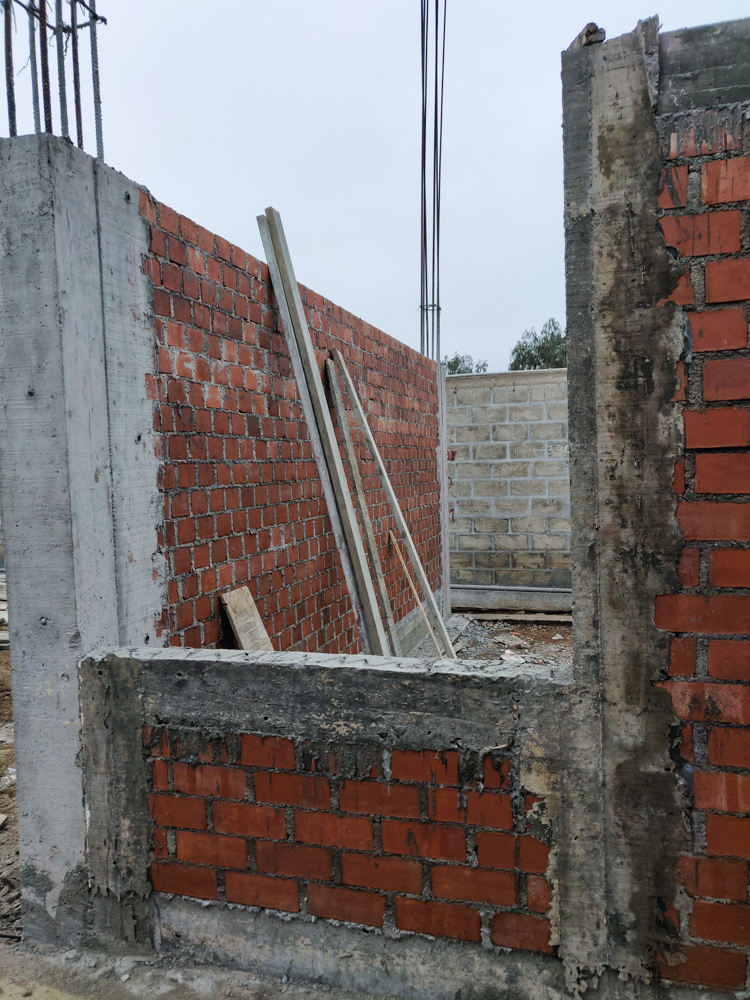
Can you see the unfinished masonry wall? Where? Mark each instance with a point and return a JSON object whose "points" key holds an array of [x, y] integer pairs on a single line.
{"points": [[509, 507], [153, 454]]}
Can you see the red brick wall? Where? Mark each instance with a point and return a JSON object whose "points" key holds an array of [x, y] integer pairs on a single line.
{"points": [[706, 200], [243, 501], [430, 841]]}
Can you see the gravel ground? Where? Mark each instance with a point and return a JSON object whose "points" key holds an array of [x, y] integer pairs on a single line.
{"points": [[509, 642]]}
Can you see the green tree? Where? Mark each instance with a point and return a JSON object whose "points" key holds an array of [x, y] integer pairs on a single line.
{"points": [[463, 364], [548, 349]]}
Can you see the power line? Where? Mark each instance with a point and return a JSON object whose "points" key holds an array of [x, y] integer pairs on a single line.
{"points": [[434, 17]]}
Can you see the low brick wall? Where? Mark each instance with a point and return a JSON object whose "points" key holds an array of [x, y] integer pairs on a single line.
{"points": [[509, 506], [394, 796]]}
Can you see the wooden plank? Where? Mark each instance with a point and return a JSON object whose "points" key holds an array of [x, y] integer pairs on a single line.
{"points": [[373, 634], [361, 503], [394, 504], [246, 623], [414, 592], [312, 428]]}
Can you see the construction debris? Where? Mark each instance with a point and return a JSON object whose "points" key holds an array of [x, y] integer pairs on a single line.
{"points": [[246, 623]]}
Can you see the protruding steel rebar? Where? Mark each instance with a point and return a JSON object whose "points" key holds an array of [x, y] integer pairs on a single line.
{"points": [[32, 67], [60, 39], [76, 71], [9, 79], [95, 80], [45, 66]]}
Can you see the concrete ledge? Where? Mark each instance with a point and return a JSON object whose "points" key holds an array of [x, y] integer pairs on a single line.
{"points": [[465, 598]]}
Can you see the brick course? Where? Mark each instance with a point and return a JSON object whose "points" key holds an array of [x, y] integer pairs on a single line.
{"points": [[243, 501], [445, 874], [706, 220]]}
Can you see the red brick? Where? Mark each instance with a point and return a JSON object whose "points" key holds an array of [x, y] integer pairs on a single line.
{"points": [[161, 776], [518, 930], [707, 967], [475, 885], [354, 832], [434, 766], [689, 568], [696, 701], [268, 751], [719, 330], [496, 850], [481, 809], [727, 280], [722, 792], [729, 747], [496, 777], [730, 567], [438, 919], [308, 791], [700, 235], [211, 850], [726, 378], [682, 658], [726, 613], [725, 922], [258, 890], [379, 799], [184, 880], [674, 192], [538, 894], [728, 836], [532, 855], [678, 479], [725, 180], [726, 427], [293, 860], [222, 782], [345, 904], [706, 521], [729, 659], [161, 844], [247, 820], [394, 874], [719, 878], [684, 292], [424, 840], [173, 810], [722, 473]]}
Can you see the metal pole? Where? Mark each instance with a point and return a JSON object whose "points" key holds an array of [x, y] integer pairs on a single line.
{"points": [[32, 67], [76, 71], [45, 65], [95, 81], [9, 79], [61, 70]]}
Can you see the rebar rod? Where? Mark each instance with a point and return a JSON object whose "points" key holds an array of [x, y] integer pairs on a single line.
{"points": [[9, 79], [95, 81], [45, 66], [61, 69], [76, 71], [32, 66]]}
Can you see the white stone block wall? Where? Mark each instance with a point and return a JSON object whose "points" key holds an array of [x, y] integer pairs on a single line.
{"points": [[508, 483]]}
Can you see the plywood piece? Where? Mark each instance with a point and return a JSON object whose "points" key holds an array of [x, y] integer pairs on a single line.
{"points": [[246, 623]]}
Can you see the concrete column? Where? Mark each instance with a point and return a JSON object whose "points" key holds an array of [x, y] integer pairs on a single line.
{"points": [[61, 390]]}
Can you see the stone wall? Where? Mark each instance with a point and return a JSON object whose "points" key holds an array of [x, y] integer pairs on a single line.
{"points": [[509, 507]]}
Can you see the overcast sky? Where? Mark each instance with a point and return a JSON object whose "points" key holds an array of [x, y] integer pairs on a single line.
{"points": [[313, 106]]}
